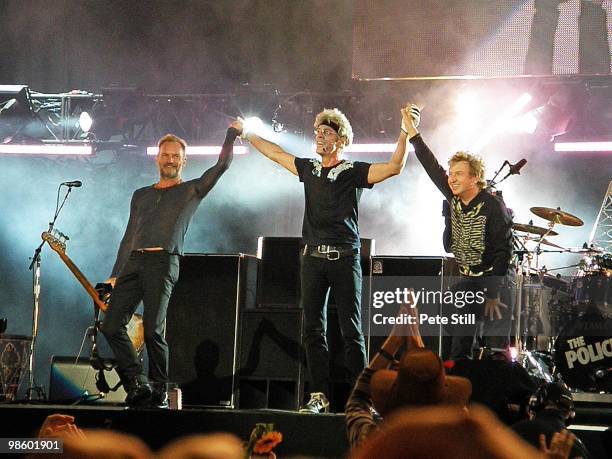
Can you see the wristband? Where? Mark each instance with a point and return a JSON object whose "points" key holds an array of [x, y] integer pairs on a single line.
{"points": [[404, 131]]}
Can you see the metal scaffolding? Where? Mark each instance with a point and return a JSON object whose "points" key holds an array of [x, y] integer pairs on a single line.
{"points": [[601, 235]]}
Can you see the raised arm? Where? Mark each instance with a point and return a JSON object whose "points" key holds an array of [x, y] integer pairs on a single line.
{"points": [[209, 178], [382, 171], [268, 149], [359, 420], [434, 170]]}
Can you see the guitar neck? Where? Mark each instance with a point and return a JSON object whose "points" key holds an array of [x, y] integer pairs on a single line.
{"points": [[83, 281]]}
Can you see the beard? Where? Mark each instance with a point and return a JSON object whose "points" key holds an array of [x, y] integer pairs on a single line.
{"points": [[169, 172]]}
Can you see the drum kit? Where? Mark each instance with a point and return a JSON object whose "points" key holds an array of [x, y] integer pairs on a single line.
{"points": [[563, 326]]}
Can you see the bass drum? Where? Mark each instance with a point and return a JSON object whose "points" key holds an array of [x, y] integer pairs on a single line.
{"points": [[583, 353]]}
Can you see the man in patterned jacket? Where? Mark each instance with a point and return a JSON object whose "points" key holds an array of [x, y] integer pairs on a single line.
{"points": [[480, 231], [330, 236]]}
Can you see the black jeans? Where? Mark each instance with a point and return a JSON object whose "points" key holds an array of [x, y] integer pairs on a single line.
{"points": [[344, 277], [148, 277], [494, 333]]}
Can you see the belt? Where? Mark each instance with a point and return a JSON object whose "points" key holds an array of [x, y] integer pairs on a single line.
{"points": [[149, 250], [329, 252]]}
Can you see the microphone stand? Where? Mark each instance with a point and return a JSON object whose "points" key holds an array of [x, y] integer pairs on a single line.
{"points": [[492, 182], [34, 391]]}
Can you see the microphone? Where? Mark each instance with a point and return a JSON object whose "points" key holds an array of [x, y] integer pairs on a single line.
{"points": [[515, 168], [74, 183]]}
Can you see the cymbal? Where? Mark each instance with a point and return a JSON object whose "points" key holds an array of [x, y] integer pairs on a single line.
{"points": [[528, 228], [557, 215]]}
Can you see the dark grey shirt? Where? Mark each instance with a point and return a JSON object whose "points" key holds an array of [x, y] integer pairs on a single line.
{"points": [[160, 217]]}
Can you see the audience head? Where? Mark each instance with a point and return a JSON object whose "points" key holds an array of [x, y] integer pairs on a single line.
{"points": [[419, 380], [209, 446], [554, 395], [444, 431], [102, 444]]}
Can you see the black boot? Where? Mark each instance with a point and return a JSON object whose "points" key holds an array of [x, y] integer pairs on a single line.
{"points": [[159, 398], [138, 392]]}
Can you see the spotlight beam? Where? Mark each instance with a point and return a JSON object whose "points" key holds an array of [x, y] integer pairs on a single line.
{"points": [[500, 123]]}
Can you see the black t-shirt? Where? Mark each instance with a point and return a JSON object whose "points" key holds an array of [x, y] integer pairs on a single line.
{"points": [[332, 195]]}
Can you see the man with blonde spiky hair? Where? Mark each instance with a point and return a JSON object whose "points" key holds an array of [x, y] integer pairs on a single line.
{"points": [[479, 234], [330, 238]]}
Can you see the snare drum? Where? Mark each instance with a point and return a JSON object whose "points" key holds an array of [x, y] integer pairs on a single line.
{"points": [[14, 351]]}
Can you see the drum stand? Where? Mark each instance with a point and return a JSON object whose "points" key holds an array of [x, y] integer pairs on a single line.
{"points": [[523, 268], [523, 262]]}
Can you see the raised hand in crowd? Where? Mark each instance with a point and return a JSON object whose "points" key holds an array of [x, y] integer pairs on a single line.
{"points": [[60, 425], [560, 445]]}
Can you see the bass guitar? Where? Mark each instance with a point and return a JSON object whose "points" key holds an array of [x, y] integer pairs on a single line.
{"points": [[135, 328]]}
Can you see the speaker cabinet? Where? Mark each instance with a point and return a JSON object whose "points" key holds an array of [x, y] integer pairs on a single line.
{"points": [[270, 358], [202, 327], [413, 266], [435, 267], [279, 275], [75, 380]]}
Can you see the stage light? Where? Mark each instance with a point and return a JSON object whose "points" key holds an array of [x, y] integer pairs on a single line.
{"points": [[252, 125], [202, 150], [528, 123], [513, 353], [502, 121], [55, 149], [466, 104], [85, 122], [467, 113], [583, 147]]}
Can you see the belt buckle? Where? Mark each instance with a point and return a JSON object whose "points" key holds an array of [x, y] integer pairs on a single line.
{"points": [[334, 252]]}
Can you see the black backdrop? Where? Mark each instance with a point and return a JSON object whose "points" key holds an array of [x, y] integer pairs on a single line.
{"points": [[175, 45]]}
